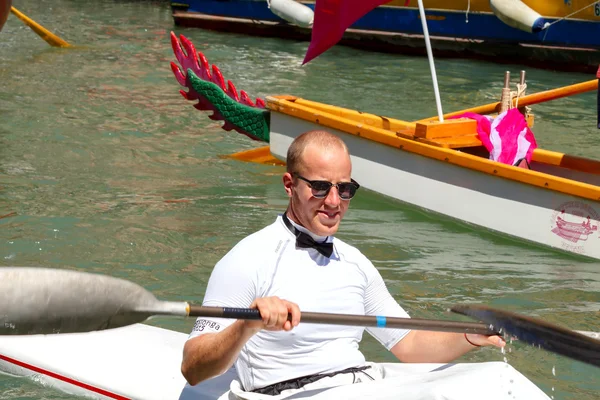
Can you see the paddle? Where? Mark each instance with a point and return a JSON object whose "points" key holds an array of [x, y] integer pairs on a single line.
{"points": [[537, 333], [44, 33], [42, 300]]}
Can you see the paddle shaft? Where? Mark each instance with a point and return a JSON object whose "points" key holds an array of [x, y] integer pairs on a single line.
{"points": [[350, 320], [360, 320], [530, 99], [45, 301]]}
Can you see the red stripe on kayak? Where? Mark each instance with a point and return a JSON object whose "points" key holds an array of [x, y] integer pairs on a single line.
{"points": [[63, 378]]}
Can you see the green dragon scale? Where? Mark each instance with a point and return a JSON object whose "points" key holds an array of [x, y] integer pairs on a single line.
{"points": [[238, 111]]}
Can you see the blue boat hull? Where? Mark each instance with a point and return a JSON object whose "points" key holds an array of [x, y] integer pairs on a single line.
{"points": [[568, 44]]}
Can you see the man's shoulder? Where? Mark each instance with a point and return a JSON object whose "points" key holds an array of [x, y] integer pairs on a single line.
{"points": [[350, 252], [261, 240]]}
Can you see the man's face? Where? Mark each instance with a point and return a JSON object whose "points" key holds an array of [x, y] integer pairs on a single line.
{"points": [[320, 216]]}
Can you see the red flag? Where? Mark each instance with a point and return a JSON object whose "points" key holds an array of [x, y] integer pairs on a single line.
{"points": [[332, 18]]}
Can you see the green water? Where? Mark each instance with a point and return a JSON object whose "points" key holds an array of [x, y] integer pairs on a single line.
{"points": [[96, 144]]}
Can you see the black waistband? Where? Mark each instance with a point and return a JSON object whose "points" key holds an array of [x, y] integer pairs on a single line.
{"points": [[297, 383]]}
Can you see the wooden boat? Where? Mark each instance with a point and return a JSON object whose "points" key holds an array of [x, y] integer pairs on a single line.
{"points": [[143, 362], [442, 167], [555, 34]]}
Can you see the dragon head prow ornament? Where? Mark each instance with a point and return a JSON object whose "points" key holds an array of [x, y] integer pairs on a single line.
{"points": [[238, 111]]}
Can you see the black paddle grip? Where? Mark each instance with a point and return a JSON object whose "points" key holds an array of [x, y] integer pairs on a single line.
{"points": [[241, 313], [223, 312]]}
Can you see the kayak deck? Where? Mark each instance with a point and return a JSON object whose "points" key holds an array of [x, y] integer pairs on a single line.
{"points": [[139, 361], [143, 362]]}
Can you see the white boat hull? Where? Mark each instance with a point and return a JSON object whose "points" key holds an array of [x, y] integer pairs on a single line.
{"points": [[143, 362], [506, 206]]}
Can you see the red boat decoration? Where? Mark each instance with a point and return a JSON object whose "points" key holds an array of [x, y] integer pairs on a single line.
{"points": [[574, 231]]}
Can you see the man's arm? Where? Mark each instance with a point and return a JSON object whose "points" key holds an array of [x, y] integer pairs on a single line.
{"points": [[212, 354], [416, 345], [440, 347]]}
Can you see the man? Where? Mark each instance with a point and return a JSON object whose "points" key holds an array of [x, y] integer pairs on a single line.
{"points": [[296, 263], [598, 97]]}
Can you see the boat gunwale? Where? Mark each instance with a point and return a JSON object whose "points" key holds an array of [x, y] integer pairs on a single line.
{"points": [[286, 105]]}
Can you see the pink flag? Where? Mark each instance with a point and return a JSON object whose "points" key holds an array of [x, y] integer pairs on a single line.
{"points": [[332, 18], [507, 137]]}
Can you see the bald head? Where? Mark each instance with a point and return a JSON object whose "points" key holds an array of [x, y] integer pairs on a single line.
{"points": [[322, 140]]}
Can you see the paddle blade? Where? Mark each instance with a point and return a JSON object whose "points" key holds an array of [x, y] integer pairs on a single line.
{"points": [[260, 155], [537, 333], [43, 301]]}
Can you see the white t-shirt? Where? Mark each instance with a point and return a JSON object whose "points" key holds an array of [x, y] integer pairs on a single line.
{"points": [[267, 263]]}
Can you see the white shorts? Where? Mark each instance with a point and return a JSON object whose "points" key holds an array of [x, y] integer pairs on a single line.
{"points": [[464, 381]]}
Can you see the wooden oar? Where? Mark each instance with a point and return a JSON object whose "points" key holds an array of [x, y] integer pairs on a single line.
{"points": [[537, 333], [260, 155], [534, 98], [41, 301], [44, 33]]}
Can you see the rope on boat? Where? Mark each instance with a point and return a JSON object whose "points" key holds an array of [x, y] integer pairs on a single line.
{"points": [[520, 92], [548, 25], [467, 13], [509, 95]]}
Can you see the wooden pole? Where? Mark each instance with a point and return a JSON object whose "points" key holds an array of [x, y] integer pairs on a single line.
{"points": [[531, 99]]}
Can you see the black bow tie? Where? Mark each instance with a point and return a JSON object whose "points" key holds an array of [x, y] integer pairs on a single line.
{"points": [[304, 240]]}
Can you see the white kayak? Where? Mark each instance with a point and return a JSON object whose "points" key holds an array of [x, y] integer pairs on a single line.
{"points": [[143, 362]]}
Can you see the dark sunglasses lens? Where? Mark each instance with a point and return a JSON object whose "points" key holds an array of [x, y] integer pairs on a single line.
{"points": [[347, 190], [320, 189]]}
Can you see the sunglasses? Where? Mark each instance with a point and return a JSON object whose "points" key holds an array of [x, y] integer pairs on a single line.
{"points": [[320, 189]]}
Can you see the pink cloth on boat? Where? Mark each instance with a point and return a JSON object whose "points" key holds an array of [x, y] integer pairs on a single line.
{"points": [[507, 137]]}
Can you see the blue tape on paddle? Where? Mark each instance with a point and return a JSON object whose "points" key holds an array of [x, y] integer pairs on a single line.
{"points": [[381, 322]]}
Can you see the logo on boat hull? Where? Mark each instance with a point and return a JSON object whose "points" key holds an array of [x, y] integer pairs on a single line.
{"points": [[575, 223]]}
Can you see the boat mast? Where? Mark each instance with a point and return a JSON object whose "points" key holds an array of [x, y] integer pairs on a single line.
{"points": [[436, 91]]}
